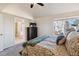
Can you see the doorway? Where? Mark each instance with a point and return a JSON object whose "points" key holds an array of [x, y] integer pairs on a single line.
{"points": [[19, 30]]}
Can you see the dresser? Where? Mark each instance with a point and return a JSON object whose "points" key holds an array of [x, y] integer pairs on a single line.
{"points": [[32, 31]]}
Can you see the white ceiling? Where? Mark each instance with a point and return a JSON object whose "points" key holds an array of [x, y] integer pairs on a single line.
{"points": [[50, 9]]}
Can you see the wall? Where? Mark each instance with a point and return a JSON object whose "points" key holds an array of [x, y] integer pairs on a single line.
{"points": [[44, 25]]}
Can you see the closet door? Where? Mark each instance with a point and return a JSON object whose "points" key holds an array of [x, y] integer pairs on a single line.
{"points": [[1, 32], [9, 29]]}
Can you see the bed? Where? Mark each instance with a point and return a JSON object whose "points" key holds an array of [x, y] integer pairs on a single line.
{"points": [[47, 47]]}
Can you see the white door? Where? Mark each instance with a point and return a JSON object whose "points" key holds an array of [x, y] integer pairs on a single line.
{"points": [[1, 32], [9, 29]]}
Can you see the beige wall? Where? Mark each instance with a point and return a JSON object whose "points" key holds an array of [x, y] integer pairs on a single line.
{"points": [[44, 25]]}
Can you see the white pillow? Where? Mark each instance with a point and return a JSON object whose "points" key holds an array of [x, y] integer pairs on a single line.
{"points": [[72, 35]]}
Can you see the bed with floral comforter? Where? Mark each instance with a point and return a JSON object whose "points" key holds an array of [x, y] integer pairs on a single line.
{"points": [[45, 48], [48, 47]]}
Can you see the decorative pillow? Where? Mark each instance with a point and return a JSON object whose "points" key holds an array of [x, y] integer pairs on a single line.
{"points": [[72, 35], [72, 43], [37, 40], [60, 40], [67, 31]]}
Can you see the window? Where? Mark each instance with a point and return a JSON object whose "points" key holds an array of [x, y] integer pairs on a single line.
{"points": [[62, 26], [58, 26]]}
